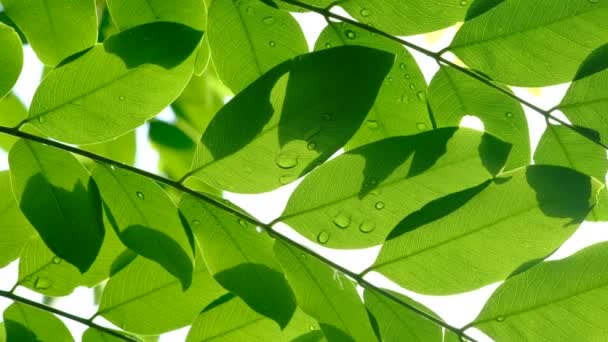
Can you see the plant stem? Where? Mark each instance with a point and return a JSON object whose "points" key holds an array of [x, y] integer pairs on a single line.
{"points": [[437, 56], [68, 315], [208, 199]]}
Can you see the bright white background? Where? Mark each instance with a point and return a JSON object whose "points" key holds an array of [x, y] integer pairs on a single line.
{"points": [[457, 310]]}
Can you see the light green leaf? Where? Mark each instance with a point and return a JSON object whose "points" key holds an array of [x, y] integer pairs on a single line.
{"points": [[356, 199], [12, 112], [11, 60], [395, 322], [121, 149], [241, 259], [230, 319], [94, 335], [481, 235], [130, 13], [586, 102], [51, 27], [2, 332], [59, 198], [26, 323], [400, 107], [453, 95], [403, 18], [298, 115], [532, 43], [15, 230], [248, 38], [561, 300], [326, 295], [175, 147], [129, 78], [146, 220], [144, 298], [42, 271]]}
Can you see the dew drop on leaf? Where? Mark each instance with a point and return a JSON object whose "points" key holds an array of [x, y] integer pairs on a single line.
{"points": [[323, 237], [268, 20], [327, 45], [342, 221], [311, 146], [464, 2], [121, 98], [364, 12], [421, 126], [42, 283], [373, 124], [350, 34], [367, 227], [56, 260], [242, 223], [412, 86], [407, 76], [250, 10], [41, 119], [140, 195], [509, 115], [272, 43], [286, 161], [379, 205], [402, 66], [421, 96], [284, 180], [500, 318]]}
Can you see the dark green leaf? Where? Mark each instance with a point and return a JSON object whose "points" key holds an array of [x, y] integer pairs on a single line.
{"points": [[532, 42], [60, 199], [11, 58], [144, 298], [298, 115], [51, 27], [326, 295], [94, 335], [241, 259], [175, 147], [453, 95], [25, 323], [474, 238], [356, 199], [131, 77], [555, 301], [400, 108], [15, 230], [146, 220], [248, 38]]}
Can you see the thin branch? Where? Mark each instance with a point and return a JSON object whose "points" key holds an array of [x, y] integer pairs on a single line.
{"points": [[210, 200], [67, 315], [437, 56]]}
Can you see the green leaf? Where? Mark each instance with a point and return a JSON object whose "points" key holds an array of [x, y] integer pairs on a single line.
{"points": [[532, 43], [146, 220], [144, 298], [397, 323], [557, 301], [248, 38], [15, 230], [130, 13], [42, 271], [2, 332], [586, 102], [326, 295], [121, 149], [356, 199], [94, 335], [175, 147], [400, 107], [403, 18], [233, 320], [452, 95], [240, 259], [11, 60], [298, 115], [26, 323], [12, 112], [51, 28], [131, 77], [479, 236], [60, 199]]}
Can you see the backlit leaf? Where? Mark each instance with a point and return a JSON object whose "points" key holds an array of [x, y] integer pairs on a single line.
{"points": [[27, 323], [11, 59], [12, 113], [15, 230]]}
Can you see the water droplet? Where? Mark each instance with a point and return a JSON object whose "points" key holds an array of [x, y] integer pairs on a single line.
{"points": [[421, 126], [407, 76], [311, 146], [272, 43], [464, 2], [242, 223], [421, 96], [327, 45], [56, 260], [379, 205], [390, 78], [373, 124], [402, 66], [42, 283], [196, 222], [268, 20], [284, 180], [41, 119], [323, 237], [303, 256], [500, 318], [412, 86], [286, 161], [326, 116], [594, 1], [350, 34], [121, 98], [250, 10], [342, 221], [140, 195], [364, 12], [403, 99], [312, 327], [509, 115], [367, 227]]}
